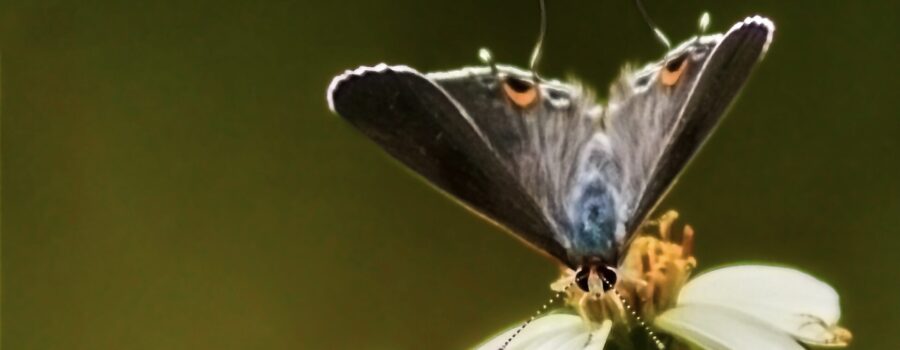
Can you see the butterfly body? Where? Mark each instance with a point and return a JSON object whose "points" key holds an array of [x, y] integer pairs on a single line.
{"points": [[543, 159]]}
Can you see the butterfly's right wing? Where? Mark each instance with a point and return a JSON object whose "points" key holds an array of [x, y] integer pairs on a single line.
{"points": [[419, 124], [660, 117]]}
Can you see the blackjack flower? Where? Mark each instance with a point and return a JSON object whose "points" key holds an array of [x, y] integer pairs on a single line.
{"points": [[656, 305]]}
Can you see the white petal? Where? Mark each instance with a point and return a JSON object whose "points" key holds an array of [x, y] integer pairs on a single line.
{"points": [[790, 300], [554, 331], [715, 328], [598, 337]]}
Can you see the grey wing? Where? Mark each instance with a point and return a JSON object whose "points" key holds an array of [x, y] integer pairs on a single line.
{"points": [[657, 126], [416, 122]]}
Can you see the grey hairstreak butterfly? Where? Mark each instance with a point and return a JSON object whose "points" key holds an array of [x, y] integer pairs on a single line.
{"points": [[542, 158]]}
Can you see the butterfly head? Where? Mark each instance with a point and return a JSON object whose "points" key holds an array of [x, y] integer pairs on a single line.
{"points": [[596, 277]]}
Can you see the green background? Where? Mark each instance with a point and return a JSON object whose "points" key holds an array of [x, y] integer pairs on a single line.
{"points": [[172, 178]]}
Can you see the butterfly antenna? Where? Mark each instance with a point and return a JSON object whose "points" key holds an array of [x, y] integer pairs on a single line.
{"points": [[640, 321], [656, 31], [703, 23], [540, 311], [485, 56], [539, 45]]}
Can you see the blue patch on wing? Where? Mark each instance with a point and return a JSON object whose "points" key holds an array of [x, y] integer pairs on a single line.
{"points": [[593, 232]]}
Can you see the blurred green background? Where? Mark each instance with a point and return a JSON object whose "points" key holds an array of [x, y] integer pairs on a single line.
{"points": [[172, 178]]}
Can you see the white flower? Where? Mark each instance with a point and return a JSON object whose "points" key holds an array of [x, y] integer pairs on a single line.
{"points": [[737, 307], [756, 307]]}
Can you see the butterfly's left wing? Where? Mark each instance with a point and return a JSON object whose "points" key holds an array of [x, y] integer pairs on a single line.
{"points": [[659, 117], [420, 124]]}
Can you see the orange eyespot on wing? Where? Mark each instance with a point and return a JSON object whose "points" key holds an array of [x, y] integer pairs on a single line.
{"points": [[520, 92], [672, 71]]}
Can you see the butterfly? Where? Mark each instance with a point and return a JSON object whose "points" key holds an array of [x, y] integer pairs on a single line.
{"points": [[573, 178]]}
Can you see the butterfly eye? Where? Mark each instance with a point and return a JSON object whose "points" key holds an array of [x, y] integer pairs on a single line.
{"points": [[522, 93], [672, 71]]}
